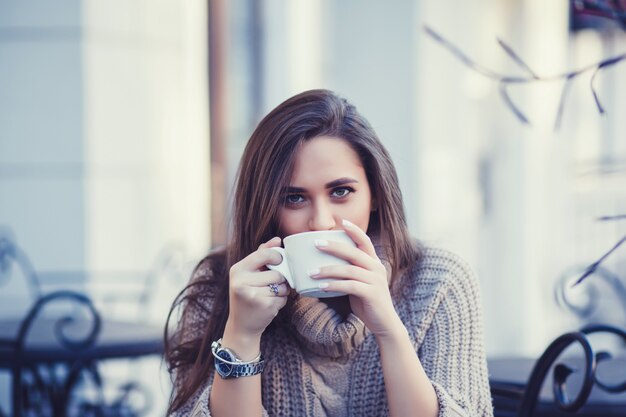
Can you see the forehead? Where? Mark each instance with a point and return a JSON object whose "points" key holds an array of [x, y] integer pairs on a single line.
{"points": [[324, 158]]}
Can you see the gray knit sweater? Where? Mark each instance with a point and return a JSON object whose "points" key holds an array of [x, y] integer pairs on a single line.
{"points": [[319, 364]]}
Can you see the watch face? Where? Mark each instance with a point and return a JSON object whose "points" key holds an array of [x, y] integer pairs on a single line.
{"points": [[222, 368]]}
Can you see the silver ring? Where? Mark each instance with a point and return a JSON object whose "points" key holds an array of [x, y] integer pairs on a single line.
{"points": [[274, 289]]}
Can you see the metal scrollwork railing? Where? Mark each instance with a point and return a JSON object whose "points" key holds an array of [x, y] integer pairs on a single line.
{"points": [[604, 356], [43, 389], [561, 372], [62, 322], [10, 253], [584, 300]]}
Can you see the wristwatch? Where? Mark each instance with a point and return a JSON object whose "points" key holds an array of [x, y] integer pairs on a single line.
{"points": [[228, 365]]}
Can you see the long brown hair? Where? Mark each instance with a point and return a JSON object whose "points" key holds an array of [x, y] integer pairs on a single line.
{"points": [[265, 171]]}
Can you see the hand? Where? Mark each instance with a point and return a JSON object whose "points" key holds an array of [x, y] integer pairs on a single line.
{"points": [[364, 280], [253, 304]]}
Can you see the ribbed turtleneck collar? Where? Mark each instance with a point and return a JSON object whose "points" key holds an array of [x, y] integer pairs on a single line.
{"points": [[323, 330]]}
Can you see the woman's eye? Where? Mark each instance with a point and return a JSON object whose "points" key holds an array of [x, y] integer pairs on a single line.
{"points": [[342, 192], [294, 199]]}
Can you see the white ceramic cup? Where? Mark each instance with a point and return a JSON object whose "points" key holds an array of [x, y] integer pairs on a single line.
{"points": [[300, 256]]}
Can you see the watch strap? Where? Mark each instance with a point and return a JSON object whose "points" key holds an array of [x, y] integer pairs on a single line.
{"points": [[249, 369], [236, 367]]}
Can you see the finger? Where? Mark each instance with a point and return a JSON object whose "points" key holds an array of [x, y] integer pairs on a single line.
{"points": [[278, 303], [350, 287], [344, 272], [275, 303], [263, 278], [353, 255], [258, 259], [278, 290], [273, 242], [359, 237]]}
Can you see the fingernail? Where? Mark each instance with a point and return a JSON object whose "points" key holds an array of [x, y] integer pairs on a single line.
{"points": [[320, 243], [323, 285], [347, 223], [313, 272]]}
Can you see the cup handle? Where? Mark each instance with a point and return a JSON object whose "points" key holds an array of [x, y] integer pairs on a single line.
{"points": [[283, 267]]}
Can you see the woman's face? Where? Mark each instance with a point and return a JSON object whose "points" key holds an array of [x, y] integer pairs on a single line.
{"points": [[328, 185]]}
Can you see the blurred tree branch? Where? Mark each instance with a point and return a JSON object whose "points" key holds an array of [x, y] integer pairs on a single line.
{"points": [[592, 268], [505, 80], [616, 10]]}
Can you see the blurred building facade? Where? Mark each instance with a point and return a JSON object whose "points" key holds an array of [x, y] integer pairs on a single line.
{"points": [[103, 140]]}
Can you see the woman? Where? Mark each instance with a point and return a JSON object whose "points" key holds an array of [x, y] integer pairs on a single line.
{"points": [[407, 340]]}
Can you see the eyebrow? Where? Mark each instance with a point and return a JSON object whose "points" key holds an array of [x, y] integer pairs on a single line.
{"points": [[334, 183]]}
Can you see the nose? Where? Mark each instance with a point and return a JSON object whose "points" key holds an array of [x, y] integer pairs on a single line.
{"points": [[322, 217]]}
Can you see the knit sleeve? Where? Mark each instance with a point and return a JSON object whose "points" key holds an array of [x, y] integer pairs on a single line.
{"points": [[453, 353], [198, 404]]}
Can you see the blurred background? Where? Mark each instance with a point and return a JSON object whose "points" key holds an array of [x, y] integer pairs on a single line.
{"points": [[122, 123]]}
